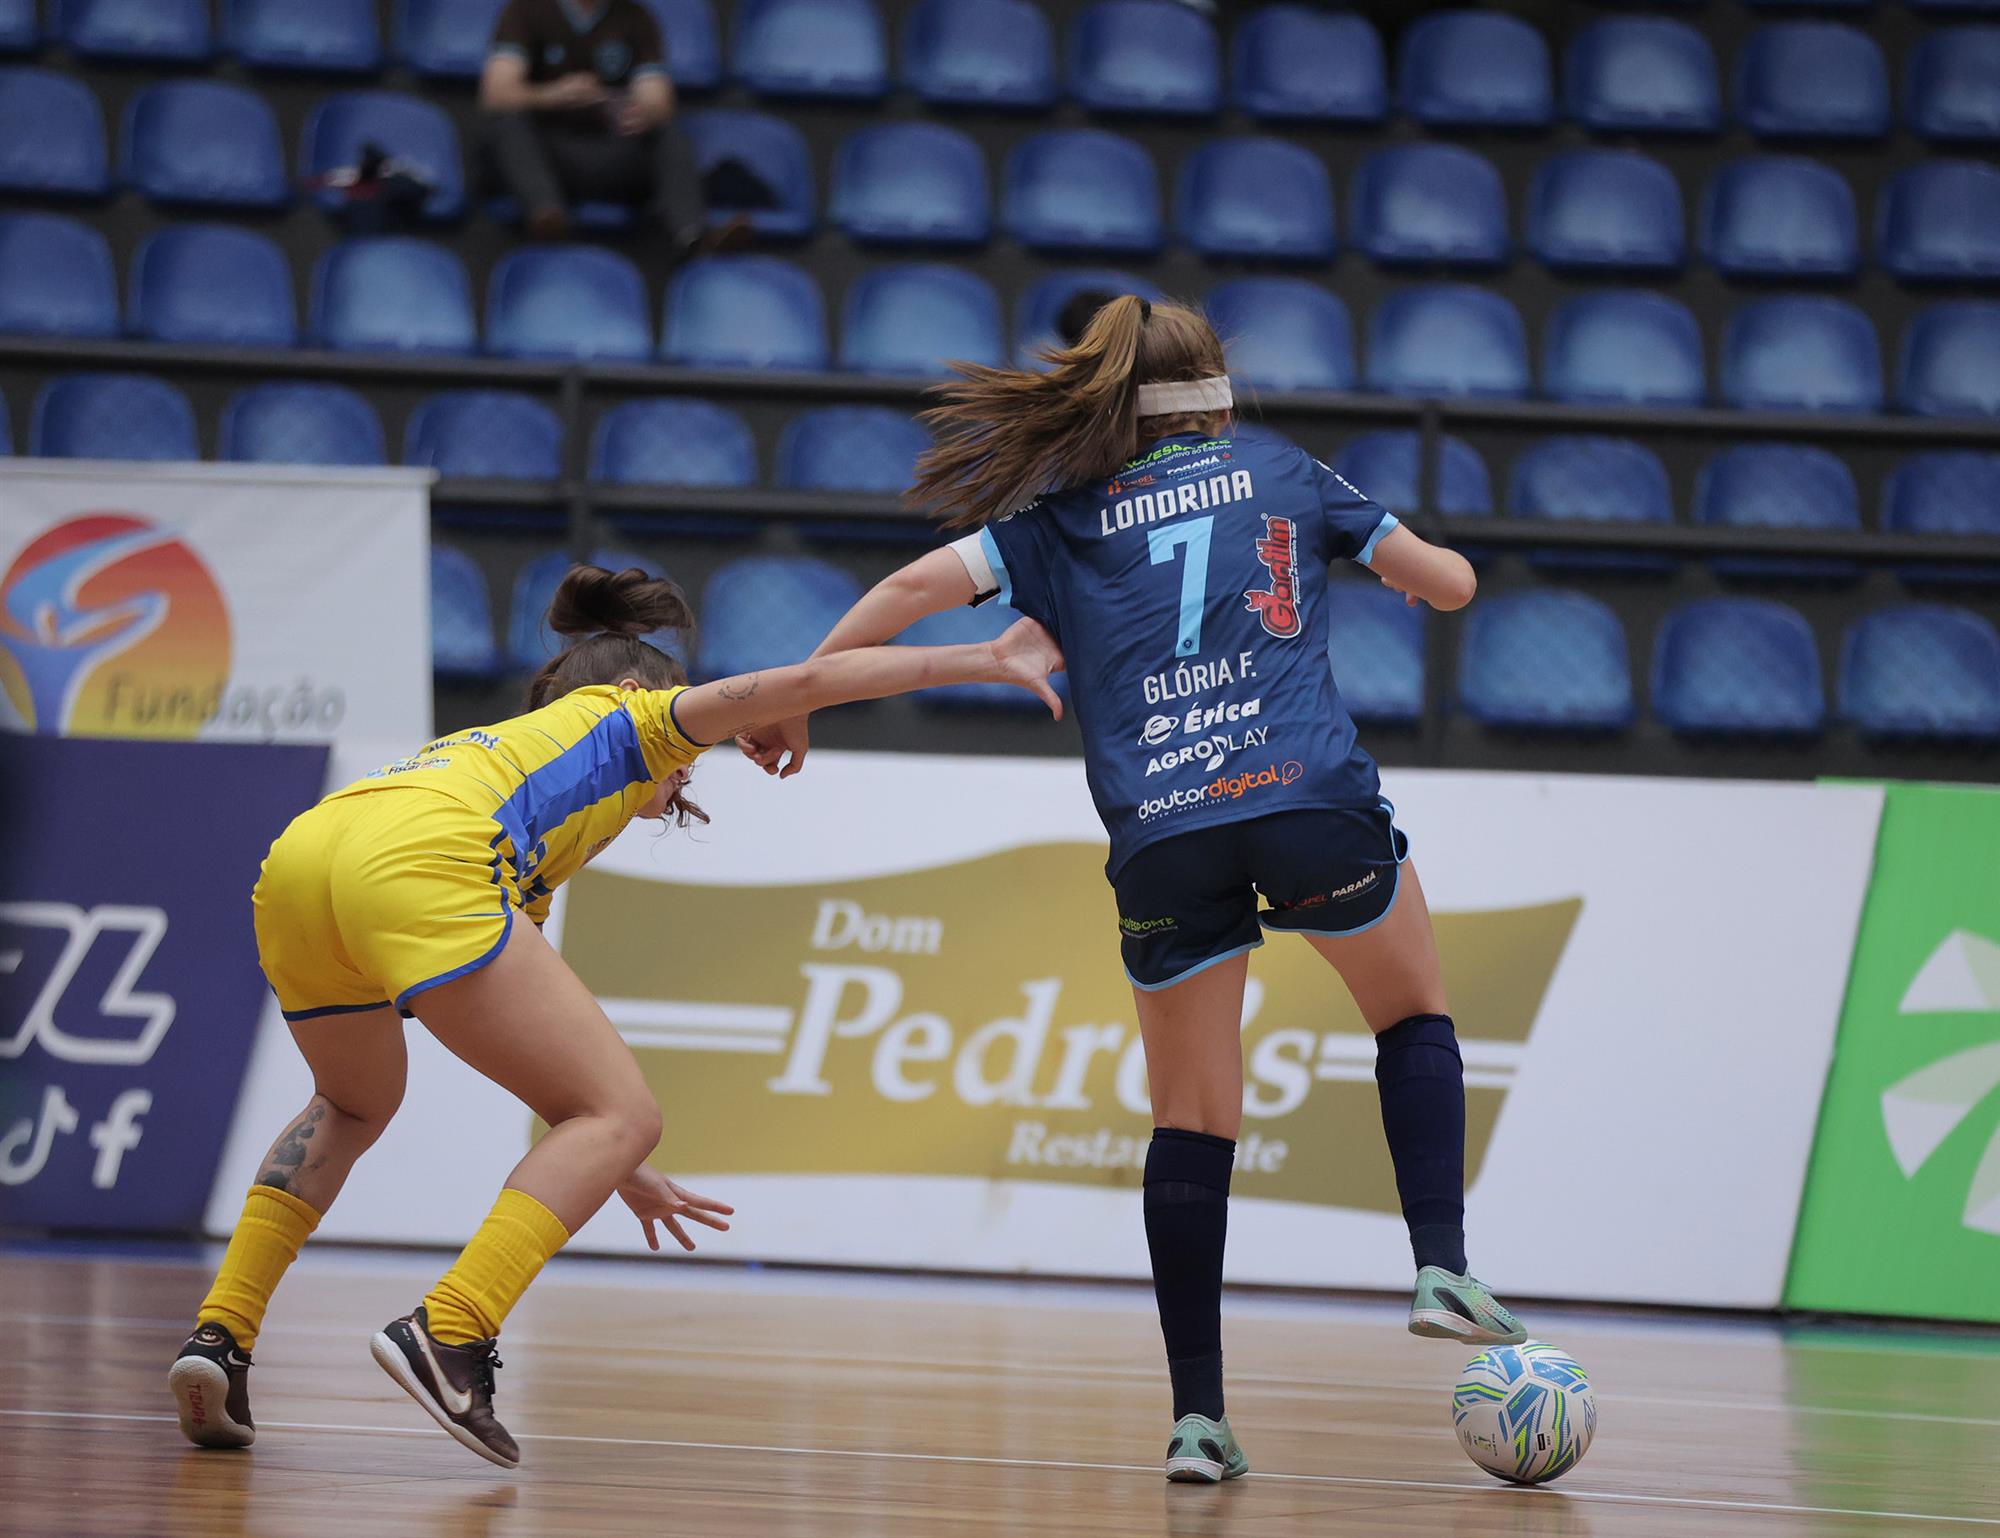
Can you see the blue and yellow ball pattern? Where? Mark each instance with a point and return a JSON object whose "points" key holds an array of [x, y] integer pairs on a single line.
{"points": [[1524, 1413]]}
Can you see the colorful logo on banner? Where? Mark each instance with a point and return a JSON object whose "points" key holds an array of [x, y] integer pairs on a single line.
{"points": [[129, 988], [111, 625], [926, 1024], [1902, 1204]]}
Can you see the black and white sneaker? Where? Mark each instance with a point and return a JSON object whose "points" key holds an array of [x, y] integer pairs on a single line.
{"points": [[211, 1384], [454, 1383]]}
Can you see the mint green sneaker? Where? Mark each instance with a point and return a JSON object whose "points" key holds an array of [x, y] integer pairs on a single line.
{"points": [[1202, 1451], [1452, 1307]]}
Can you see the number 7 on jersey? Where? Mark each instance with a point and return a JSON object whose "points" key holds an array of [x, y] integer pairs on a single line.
{"points": [[1161, 543]]}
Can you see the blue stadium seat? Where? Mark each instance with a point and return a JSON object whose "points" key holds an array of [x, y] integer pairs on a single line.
{"points": [[1738, 667], [212, 285], [1922, 670], [408, 127], [1082, 189], [1607, 210], [485, 435], [694, 42], [1447, 339], [1293, 63], [1642, 74], [1151, 56], [979, 53], [670, 441], [1629, 348], [322, 36], [19, 30], [1951, 361], [1258, 198], [1590, 478], [302, 424], [1812, 79], [1375, 645], [462, 644], [445, 39], [56, 278], [203, 142], [1546, 660], [1284, 334], [768, 611], [915, 318], [967, 626], [744, 312], [1781, 216], [392, 293], [851, 448], [1430, 203], [1041, 303], [112, 416], [142, 31], [1778, 486], [51, 135], [770, 146], [1954, 84], [912, 183], [530, 641], [1947, 491], [1796, 353], [1385, 465], [1475, 69], [812, 48], [567, 301], [1941, 219]]}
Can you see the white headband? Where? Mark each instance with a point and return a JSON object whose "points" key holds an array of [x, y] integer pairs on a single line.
{"points": [[1212, 394]]}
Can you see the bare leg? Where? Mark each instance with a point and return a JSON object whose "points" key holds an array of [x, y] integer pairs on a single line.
{"points": [[1194, 1049], [1392, 970], [359, 1065]]}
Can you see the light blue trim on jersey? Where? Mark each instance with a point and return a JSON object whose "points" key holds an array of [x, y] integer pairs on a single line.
{"points": [[1389, 524], [603, 762], [991, 547], [506, 916], [1199, 966]]}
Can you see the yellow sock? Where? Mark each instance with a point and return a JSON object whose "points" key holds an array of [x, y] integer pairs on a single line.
{"points": [[477, 1293], [267, 1239]]}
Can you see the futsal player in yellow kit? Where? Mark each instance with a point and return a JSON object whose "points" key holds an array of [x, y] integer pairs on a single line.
{"points": [[420, 889]]}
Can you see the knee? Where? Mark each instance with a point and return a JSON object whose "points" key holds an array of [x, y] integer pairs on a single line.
{"points": [[366, 1116]]}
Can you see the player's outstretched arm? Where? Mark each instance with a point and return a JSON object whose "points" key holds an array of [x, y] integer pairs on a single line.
{"points": [[1423, 572], [1024, 656]]}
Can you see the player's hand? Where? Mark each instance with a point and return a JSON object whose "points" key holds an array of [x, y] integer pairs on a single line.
{"points": [[579, 88], [1025, 655], [1409, 598], [630, 118], [655, 1199], [766, 746]]}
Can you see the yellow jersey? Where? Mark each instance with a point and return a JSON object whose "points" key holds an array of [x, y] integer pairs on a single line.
{"points": [[559, 783]]}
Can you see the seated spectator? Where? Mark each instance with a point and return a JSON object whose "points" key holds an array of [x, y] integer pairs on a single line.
{"points": [[579, 108]]}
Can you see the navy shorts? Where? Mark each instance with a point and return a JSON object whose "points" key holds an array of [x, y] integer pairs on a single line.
{"points": [[1191, 900]]}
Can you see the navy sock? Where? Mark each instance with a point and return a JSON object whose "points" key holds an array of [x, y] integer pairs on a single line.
{"points": [[1421, 1081], [1187, 1221]]}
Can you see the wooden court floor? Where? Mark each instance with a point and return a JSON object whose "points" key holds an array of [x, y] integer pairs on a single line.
{"points": [[683, 1400]]}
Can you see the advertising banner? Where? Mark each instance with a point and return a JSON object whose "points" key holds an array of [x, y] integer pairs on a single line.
{"points": [[1902, 1207], [240, 603], [129, 988], [882, 1007]]}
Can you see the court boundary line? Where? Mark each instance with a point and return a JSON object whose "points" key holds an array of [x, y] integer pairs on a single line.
{"points": [[1348, 1481], [1278, 1381]]}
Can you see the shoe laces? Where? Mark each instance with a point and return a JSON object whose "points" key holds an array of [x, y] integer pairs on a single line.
{"points": [[484, 1365]]}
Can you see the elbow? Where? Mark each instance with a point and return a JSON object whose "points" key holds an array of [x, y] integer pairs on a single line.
{"points": [[1460, 589]]}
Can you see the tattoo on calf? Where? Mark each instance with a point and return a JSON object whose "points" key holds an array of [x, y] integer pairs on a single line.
{"points": [[288, 1159]]}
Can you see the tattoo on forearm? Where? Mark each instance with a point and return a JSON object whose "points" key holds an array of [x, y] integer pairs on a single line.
{"points": [[739, 688], [287, 1160]]}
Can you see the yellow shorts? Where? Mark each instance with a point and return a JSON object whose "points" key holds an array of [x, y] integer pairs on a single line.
{"points": [[366, 901]]}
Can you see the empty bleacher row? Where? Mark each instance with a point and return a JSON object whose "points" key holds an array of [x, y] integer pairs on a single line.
{"points": [[217, 285], [1549, 660]]}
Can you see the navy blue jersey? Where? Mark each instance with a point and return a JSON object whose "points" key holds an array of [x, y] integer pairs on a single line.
{"points": [[1189, 594]]}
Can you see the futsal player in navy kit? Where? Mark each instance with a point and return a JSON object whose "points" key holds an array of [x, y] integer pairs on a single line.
{"points": [[1183, 571]]}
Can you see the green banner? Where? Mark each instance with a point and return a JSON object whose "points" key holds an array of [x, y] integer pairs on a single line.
{"points": [[1902, 1202]]}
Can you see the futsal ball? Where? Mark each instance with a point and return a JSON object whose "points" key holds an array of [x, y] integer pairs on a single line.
{"points": [[1524, 1413]]}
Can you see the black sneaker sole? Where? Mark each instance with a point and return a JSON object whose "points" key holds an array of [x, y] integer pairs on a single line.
{"points": [[201, 1396], [389, 1357]]}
